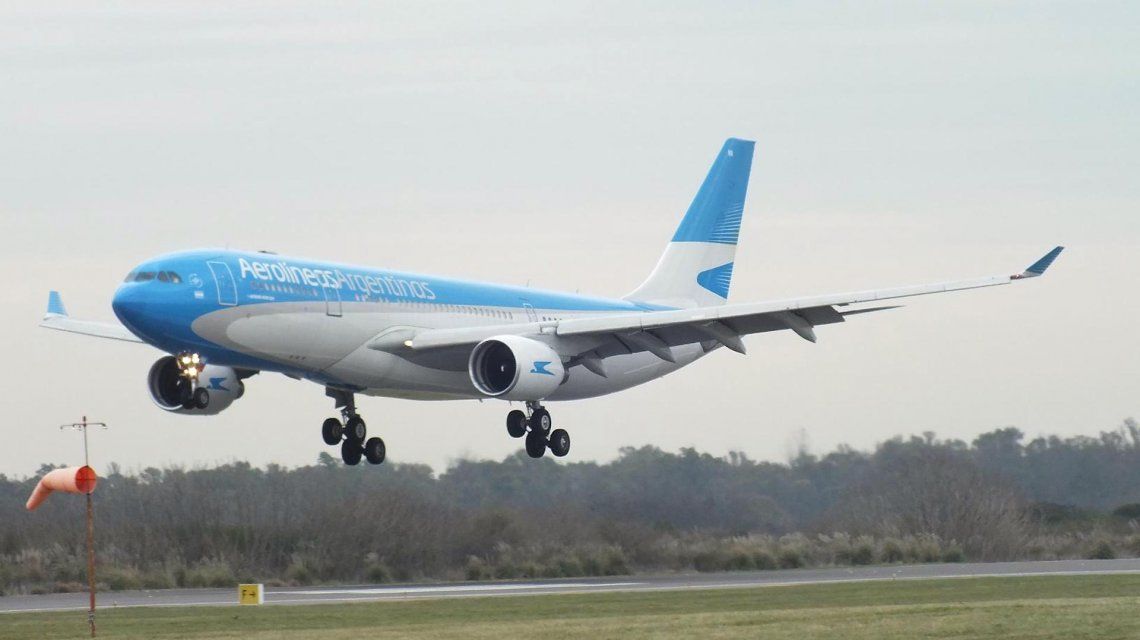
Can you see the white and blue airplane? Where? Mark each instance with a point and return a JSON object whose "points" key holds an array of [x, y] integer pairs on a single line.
{"points": [[223, 316]]}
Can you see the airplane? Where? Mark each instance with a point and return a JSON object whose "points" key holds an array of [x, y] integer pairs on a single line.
{"points": [[222, 316]]}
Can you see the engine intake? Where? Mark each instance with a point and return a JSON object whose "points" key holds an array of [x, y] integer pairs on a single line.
{"points": [[217, 388], [515, 368]]}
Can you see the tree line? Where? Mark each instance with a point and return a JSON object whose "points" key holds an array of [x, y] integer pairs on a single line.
{"points": [[919, 499]]}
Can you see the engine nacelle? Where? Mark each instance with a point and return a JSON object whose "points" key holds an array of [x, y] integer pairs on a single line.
{"points": [[217, 388], [515, 368]]}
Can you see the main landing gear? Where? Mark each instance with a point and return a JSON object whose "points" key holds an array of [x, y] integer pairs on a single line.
{"points": [[540, 437], [352, 433]]}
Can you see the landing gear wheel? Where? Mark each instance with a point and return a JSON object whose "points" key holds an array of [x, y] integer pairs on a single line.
{"points": [[350, 452], [559, 442], [535, 444], [540, 421], [355, 429], [374, 450], [201, 398], [516, 424], [185, 395], [332, 431]]}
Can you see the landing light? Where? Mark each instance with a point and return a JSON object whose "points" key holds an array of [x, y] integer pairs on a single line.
{"points": [[189, 364]]}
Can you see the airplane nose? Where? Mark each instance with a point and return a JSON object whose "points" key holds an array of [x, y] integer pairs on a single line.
{"points": [[128, 304]]}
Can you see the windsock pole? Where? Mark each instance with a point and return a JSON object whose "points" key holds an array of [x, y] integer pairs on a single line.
{"points": [[82, 426], [91, 562]]}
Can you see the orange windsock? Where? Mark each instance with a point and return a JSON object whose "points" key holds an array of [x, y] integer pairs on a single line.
{"points": [[70, 480]]}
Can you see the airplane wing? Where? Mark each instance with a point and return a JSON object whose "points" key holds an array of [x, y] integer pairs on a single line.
{"points": [[592, 339], [57, 318]]}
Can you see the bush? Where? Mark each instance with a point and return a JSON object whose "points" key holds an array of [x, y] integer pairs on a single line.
{"points": [[708, 561], [299, 573], [157, 580], [476, 569], [1101, 550], [740, 561], [506, 570], [67, 587], [863, 553], [378, 572], [763, 560], [119, 578], [791, 558], [569, 567], [210, 574], [925, 549], [953, 554], [614, 563], [892, 551], [530, 570]]}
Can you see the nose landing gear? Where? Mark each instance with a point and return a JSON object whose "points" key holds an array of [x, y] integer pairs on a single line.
{"points": [[189, 366], [352, 434], [537, 429]]}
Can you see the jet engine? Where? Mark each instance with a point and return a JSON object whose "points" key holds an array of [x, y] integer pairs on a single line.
{"points": [[172, 390], [515, 368]]}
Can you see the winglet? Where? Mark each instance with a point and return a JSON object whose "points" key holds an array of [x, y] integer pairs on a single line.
{"points": [[55, 304], [1038, 268]]}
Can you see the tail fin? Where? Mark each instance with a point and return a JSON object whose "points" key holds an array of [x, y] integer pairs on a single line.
{"points": [[696, 268]]}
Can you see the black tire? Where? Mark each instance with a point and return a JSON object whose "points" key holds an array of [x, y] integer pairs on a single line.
{"points": [[201, 398], [374, 451], [540, 421], [516, 424], [185, 395], [535, 444], [332, 431], [559, 442], [350, 452], [356, 429]]}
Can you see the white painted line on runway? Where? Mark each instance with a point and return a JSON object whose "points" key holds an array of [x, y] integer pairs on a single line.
{"points": [[382, 591]]}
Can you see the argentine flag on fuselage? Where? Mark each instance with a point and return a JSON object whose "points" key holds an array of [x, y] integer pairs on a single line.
{"points": [[696, 268]]}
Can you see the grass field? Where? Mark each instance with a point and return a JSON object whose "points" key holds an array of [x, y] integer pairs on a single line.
{"points": [[1025, 607]]}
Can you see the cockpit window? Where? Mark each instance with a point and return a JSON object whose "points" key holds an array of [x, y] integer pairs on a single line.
{"points": [[146, 276]]}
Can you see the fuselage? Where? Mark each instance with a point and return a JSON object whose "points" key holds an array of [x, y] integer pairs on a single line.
{"points": [[311, 319]]}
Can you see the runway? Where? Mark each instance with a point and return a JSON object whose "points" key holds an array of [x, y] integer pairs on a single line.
{"points": [[742, 579]]}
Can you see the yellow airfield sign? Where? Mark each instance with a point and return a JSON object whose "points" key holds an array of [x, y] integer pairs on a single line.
{"points": [[251, 594]]}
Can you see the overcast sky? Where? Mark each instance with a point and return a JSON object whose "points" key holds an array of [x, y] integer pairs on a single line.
{"points": [[558, 144]]}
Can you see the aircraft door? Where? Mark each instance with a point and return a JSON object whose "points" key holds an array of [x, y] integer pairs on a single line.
{"points": [[224, 279], [332, 301], [531, 315]]}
